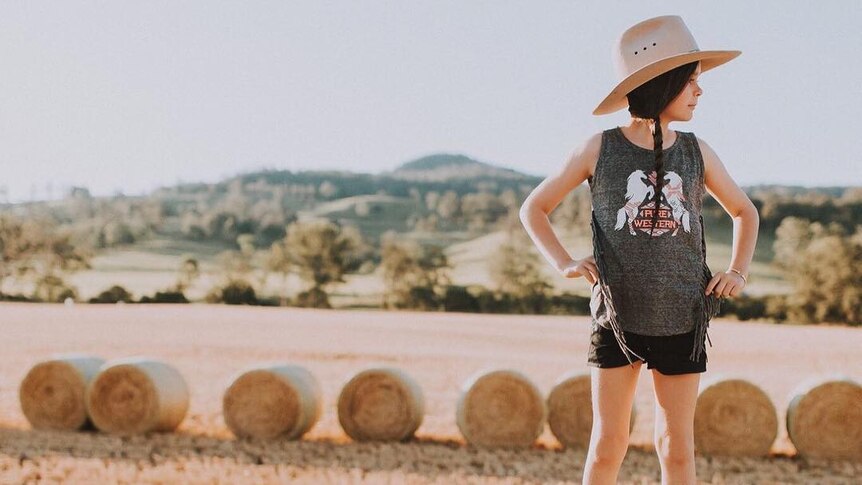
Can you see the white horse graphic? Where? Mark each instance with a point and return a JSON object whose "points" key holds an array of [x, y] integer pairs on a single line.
{"points": [[640, 188]]}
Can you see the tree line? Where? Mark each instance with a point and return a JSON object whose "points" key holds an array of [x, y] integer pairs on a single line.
{"points": [[816, 246]]}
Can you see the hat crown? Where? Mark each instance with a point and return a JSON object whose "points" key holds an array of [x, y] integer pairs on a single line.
{"points": [[652, 40]]}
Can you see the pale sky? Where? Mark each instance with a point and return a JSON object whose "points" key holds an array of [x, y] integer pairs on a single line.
{"points": [[130, 96]]}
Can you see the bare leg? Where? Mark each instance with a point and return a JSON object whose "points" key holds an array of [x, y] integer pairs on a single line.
{"points": [[613, 392], [676, 396]]}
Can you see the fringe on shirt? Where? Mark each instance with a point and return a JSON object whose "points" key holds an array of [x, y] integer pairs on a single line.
{"points": [[598, 253], [709, 304]]}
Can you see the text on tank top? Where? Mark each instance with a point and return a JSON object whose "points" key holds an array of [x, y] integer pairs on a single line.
{"points": [[652, 279]]}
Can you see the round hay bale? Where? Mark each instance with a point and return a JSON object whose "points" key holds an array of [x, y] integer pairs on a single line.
{"points": [[137, 395], [824, 418], [52, 392], [272, 400], [734, 417], [570, 410], [500, 408], [381, 404]]}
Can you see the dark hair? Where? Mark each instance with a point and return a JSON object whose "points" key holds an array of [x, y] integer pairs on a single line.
{"points": [[648, 101]]}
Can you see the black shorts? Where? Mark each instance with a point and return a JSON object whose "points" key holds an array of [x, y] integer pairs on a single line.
{"points": [[668, 354]]}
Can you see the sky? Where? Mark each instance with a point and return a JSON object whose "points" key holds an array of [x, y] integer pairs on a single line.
{"points": [[122, 96]]}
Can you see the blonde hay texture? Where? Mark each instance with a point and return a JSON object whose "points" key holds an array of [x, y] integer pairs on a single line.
{"points": [[570, 410], [381, 404], [824, 418], [277, 400], [500, 409], [137, 395], [734, 417], [52, 392]]}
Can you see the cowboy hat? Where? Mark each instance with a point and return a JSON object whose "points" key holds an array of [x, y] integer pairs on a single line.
{"points": [[651, 48]]}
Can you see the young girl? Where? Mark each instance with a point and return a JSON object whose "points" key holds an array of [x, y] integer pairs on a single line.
{"points": [[652, 291]]}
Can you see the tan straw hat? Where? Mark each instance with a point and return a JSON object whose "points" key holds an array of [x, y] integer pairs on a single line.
{"points": [[651, 48]]}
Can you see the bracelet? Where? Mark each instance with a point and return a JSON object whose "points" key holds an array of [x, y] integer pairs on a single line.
{"points": [[744, 279]]}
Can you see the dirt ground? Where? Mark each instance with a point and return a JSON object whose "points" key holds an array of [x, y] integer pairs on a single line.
{"points": [[209, 344]]}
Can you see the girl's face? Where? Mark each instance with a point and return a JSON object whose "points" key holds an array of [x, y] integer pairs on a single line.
{"points": [[682, 107]]}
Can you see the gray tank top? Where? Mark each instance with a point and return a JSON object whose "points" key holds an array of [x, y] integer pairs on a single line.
{"points": [[650, 284]]}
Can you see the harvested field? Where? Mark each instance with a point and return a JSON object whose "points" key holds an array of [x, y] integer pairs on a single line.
{"points": [[209, 344]]}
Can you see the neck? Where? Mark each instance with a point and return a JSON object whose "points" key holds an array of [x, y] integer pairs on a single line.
{"points": [[642, 131]]}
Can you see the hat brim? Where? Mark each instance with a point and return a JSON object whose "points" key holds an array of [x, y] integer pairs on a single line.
{"points": [[616, 100]]}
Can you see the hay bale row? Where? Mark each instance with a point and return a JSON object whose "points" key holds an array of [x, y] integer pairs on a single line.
{"points": [[495, 407]]}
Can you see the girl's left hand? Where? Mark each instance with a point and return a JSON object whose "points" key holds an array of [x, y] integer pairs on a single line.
{"points": [[726, 284]]}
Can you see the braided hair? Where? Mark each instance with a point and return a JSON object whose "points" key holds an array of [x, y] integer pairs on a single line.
{"points": [[646, 102]]}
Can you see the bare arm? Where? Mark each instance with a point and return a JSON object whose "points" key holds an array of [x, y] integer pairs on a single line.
{"points": [[746, 222], [547, 196]]}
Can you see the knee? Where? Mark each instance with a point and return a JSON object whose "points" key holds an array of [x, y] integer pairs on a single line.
{"points": [[609, 448]]}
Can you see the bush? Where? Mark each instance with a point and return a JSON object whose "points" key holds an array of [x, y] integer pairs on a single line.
{"points": [[744, 307], [568, 304], [236, 292], [166, 297], [422, 298], [269, 301], [113, 294], [492, 302], [16, 297], [532, 304], [313, 298], [776, 307], [458, 299]]}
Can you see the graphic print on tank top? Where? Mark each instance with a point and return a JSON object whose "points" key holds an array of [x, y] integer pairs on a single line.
{"points": [[639, 209]]}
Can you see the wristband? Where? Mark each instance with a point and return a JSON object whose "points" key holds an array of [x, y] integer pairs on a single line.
{"points": [[744, 279]]}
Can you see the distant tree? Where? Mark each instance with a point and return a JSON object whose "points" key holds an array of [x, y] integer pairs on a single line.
{"points": [[413, 276], [431, 199], [278, 261], [116, 233], [516, 270], [238, 265], [113, 294], [235, 292], [320, 252], [189, 272], [482, 210], [824, 263], [52, 288], [79, 193], [429, 223], [16, 246], [449, 206], [415, 194], [192, 227], [509, 199], [327, 190], [575, 210]]}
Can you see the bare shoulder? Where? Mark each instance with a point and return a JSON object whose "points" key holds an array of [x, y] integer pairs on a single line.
{"points": [[710, 158], [592, 148], [579, 166], [582, 162], [704, 146], [711, 162]]}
